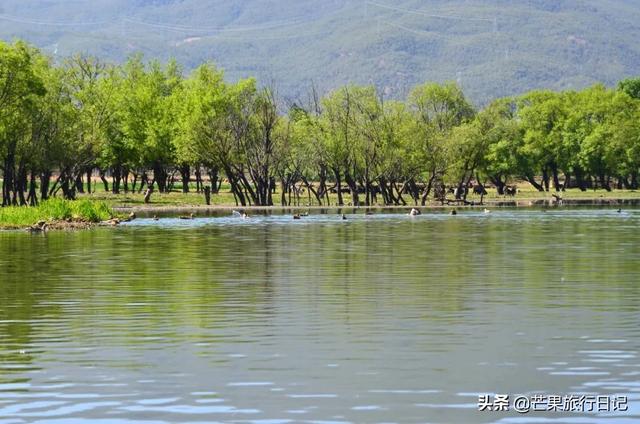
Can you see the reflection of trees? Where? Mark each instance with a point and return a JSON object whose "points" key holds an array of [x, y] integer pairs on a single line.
{"points": [[24, 267], [138, 286]]}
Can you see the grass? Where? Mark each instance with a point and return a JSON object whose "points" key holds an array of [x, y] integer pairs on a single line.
{"points": [[225, 199], [55, 210], [98, 206]]}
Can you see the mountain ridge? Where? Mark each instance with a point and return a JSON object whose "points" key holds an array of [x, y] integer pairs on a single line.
{"points": [[492, 48]]}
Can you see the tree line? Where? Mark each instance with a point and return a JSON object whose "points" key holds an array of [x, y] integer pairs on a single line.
{"points": [[146, 125]]}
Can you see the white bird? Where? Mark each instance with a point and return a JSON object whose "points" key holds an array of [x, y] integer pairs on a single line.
{"points": [[487, 210]]}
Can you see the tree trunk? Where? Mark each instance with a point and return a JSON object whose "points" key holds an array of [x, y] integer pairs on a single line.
{"points": [[115, 185], [545, 180], [45, 179], [104, 180], [8, 180], [353, 186], [89, 175], [185, 173], [336, 173], [534, 183], [33, 195], [22, 184], [428, 189], [556, 180], [500, 185], [79, 183], [199, 185], [160, 176]]}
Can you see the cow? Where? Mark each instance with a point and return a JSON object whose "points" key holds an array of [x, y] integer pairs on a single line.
{"points": [[510, 191], [479, 190]]}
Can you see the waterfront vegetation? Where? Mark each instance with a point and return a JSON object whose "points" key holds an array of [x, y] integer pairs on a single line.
{"points": [[55, 210], [145, 125]]}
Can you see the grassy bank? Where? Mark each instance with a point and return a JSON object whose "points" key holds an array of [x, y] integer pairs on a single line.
{"points": [[176, 199], [100, 205], [55, 211]]}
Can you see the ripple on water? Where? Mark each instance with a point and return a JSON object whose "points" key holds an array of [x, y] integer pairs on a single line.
{"points": [[380, 318]]}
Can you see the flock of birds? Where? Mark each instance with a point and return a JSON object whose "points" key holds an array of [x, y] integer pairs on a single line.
{"points": [[298, 216], [413, 212], [43, 226]]}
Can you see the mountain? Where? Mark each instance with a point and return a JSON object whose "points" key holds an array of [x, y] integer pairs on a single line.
{"points": [[491, 47]]}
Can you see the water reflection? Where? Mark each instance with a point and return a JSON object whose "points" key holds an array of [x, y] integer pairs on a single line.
{"points": [[380, 318]]}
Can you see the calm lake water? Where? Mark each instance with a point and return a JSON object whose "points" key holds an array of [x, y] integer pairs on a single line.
{"points": [[382, 318]]}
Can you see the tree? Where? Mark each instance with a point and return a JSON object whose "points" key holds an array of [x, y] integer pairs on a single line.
{"points": [[437, 109], [631, 86], [503, 139], [542, 114], [20, 87]]}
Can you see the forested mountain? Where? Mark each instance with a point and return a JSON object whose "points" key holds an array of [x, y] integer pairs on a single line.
{"points": [[492, 48]]}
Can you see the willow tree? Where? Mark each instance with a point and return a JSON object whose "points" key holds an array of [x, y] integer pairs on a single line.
{"points": [[504, 140], [20, 87], [340, 136], [83, 75], [437, 109], [57, 141]]}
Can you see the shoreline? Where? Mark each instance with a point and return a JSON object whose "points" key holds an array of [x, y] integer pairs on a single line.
{"points": [[515, 203], [166, 211]]}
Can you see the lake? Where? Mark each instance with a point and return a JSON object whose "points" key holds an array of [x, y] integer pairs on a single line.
{"points": [[376, 319]]}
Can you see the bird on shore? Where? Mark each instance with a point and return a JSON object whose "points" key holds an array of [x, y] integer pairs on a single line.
{"points": [[486, 210], [297, 216], [113, 222], [39, 227], [190, 216], [453, 212], [619, 210], [155, 218], [414, 212], [344, 217]]}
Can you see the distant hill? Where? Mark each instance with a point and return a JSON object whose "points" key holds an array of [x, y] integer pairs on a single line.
{"points": [[492, 47]]}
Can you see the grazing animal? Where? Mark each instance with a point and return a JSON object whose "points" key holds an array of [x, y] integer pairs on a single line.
{"points": [[479, 190], [460, 192], [510, 191]]}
